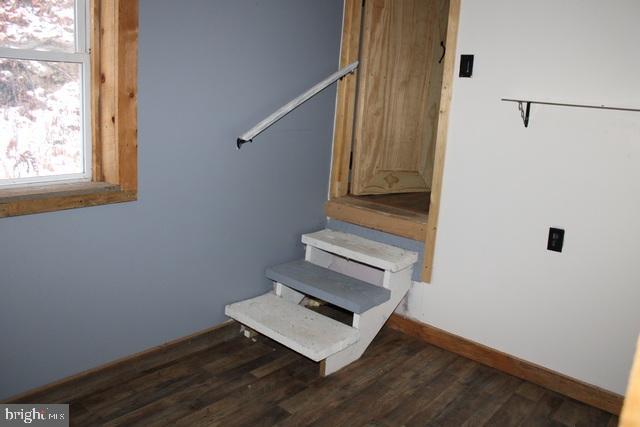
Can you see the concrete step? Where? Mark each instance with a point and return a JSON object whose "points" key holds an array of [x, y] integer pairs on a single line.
{"points": [[307, 332], [376, 254]]}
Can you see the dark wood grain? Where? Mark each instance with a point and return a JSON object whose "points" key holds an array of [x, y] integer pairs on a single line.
{"points": [[222, 378]]}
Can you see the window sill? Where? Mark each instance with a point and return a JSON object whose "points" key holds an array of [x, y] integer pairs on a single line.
{"points": [[50, 198]]}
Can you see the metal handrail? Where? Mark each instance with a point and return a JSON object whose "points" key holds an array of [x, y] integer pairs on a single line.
{"points": [[293, 104]]}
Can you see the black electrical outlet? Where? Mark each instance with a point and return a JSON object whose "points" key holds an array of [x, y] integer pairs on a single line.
{"points": [[556, 239], [466, 65]]}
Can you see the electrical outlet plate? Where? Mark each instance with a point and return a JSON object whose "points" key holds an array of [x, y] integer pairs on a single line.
{"points": [[556, 239], [466, 66]]}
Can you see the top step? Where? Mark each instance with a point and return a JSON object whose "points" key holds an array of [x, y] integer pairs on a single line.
{"points": [[363, 250]]}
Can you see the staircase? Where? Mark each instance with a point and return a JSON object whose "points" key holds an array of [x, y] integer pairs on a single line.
{"points": [[359, 275]]}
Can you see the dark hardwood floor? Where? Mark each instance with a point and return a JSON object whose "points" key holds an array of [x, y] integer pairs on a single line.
{"points": [[225, 379]]}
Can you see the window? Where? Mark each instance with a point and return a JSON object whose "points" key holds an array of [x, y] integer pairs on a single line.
{"points": [[68, 104], [44, 92]]}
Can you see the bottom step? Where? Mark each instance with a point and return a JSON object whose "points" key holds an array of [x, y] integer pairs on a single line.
{"points": [[294, 326]]}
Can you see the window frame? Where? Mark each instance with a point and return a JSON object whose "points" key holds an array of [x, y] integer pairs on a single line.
{"points": [[113, 35], [82, 57]]}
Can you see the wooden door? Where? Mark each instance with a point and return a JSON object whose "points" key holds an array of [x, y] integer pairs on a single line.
{"points": [[399, 86]]}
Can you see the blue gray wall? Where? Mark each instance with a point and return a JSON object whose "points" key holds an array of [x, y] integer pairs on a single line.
{"points": [[84, 287]]}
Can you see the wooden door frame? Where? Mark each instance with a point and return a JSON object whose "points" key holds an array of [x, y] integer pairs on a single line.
{"points": [[345, 118]]}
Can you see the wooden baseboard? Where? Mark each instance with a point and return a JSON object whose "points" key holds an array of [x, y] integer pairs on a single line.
{"points": [[89, 378], [560, 383]]}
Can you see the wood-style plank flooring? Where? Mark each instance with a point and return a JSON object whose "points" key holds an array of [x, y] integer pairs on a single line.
{"points": [[416, 203], [225, 379]]}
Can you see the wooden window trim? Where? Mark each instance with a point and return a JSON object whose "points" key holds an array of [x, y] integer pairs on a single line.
{"points": [[114, 56]]}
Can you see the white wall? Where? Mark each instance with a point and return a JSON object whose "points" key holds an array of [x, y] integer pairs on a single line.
{"points": [[577, 312]]}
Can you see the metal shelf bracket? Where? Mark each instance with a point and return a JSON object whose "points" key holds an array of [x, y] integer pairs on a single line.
{"points": [[525, 110]]}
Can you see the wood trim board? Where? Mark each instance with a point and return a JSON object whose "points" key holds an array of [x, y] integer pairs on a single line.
{"points": [[441, 140], [371, 215], [115, 98], [346, 100], [631, 411], [560, 383], [57, 199]]}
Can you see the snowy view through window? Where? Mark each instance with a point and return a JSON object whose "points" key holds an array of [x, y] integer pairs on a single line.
{"points": [[40, 101]]}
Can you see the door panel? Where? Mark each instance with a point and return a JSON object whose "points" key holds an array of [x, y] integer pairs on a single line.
{"points": [[400, 81]]}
